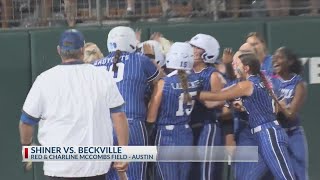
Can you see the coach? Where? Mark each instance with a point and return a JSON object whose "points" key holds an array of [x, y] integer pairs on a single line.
{"points": [[72, 103]]}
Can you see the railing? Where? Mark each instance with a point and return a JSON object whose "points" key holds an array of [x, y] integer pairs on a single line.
{"points": [[43, 13]]}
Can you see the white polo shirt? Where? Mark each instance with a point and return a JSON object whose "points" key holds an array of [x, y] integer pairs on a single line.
{"points": [[73, 102]]}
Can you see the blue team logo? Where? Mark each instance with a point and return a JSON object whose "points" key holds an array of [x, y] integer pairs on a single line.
{"points": [[287, 93], [112, 45]]}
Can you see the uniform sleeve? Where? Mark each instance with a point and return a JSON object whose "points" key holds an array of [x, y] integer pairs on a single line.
{"points": [[33, 104], [150, 69], [114, 97]]}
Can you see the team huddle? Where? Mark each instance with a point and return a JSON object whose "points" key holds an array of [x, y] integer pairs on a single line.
{"points": [[249, 99], [183, 94]]}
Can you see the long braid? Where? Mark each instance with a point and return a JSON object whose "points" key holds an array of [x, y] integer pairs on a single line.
{"points": [[115, 60], [268, 87], [183, 76]]}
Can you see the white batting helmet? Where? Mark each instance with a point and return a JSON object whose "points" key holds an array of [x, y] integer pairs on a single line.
{"points": [[122, 38], [159, 56], [210, 46], [180, 56]]}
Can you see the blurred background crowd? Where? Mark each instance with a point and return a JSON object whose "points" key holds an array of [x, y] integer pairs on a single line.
{"points": [[44, 13]]}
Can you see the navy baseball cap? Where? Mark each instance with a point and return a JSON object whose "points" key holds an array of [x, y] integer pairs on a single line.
{"points": [[71, 39]]}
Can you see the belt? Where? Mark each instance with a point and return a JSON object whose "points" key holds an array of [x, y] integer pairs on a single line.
{"points": [[171, 127], [196, 125], [291, 128], [259, 128]]}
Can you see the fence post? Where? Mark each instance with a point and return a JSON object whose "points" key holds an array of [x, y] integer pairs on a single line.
{"points": [[215, 10], [99, 15]]}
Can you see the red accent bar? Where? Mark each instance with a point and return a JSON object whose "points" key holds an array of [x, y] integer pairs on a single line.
{"points": [[26, 155]]}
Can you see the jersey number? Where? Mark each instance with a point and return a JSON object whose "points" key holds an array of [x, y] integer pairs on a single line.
{"points": [[119, 75], [181, 111]]}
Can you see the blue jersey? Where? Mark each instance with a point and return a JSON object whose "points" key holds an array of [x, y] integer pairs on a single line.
{"points": [[260, 105], [286, 91], [200, 112], [172, 109], [266, 66], [134, 72], [240, 118]]}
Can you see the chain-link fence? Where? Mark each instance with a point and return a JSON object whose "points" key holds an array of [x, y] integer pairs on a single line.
{"points": [[39, 13]]}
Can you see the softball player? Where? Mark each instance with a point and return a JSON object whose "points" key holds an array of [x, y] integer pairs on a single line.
{"points": [[206, 51], [132, 72], [172, 102], [242, 132], [292, 94], [256, 40], [159, 57], [257, 97]]}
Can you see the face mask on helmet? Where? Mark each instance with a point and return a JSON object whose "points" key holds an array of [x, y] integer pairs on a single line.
{"points": [[210, 46], [122, 38], [180, 56]]}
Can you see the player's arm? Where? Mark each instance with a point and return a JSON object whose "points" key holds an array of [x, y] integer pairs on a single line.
{"points": [[154, 106], [161, 74], [155, 102], [152, 72], [291, 110], [244, 88], [216, 82]]}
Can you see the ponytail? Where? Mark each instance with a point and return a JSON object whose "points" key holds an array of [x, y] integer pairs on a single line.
{"points": [[183, 76], [268, 87], [116, 59]]}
